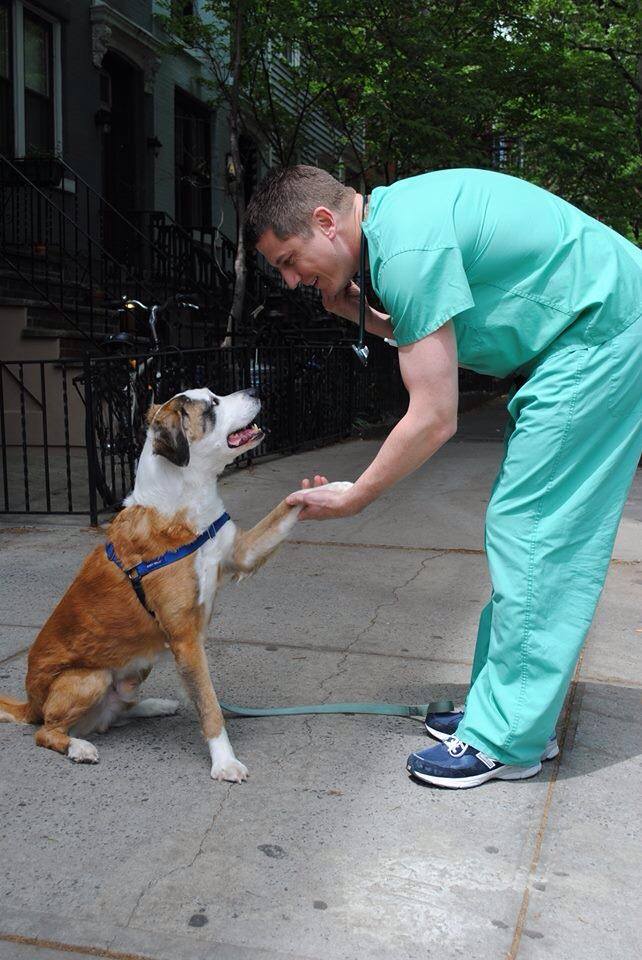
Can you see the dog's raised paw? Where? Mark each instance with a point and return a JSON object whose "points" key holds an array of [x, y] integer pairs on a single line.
{"points": [[232, 770], [82, 751], [338, 486]]}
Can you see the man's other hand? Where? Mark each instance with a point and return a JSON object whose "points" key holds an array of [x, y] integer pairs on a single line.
{"points": [[345, 303]]}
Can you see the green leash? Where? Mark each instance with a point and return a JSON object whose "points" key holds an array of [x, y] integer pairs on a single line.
{"points": [[391, 709]]}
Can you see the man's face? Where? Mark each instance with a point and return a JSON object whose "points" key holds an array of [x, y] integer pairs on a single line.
{"points": [[320, 260]]}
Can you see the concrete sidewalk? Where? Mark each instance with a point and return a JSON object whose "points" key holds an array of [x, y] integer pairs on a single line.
{"points": [[329, 852]]}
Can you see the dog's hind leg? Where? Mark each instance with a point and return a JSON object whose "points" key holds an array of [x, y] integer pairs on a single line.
{"points": [[151, 707], [70, 696]]}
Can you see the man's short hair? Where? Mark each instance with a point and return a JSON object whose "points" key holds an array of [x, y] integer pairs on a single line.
{"points": [[285, 201]]}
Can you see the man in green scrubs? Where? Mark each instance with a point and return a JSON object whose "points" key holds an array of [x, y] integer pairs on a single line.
{"points": [[495, 274]]}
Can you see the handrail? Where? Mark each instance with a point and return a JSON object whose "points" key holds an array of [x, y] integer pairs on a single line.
{"points": [[62, 213], [103, 200], [185, 234], [90, 251], [51, 302]]}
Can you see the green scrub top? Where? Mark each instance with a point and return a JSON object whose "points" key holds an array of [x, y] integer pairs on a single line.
{"points": [[516, 268]]}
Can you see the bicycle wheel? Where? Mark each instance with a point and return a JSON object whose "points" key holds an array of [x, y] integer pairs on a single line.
{"points": [[112, 438]]}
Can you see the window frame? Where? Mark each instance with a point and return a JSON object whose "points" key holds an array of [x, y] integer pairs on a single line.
{"points": [[18, 77], [10, 78]]}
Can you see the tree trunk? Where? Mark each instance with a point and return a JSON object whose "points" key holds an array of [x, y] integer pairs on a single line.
{"points": [[238, 198]]}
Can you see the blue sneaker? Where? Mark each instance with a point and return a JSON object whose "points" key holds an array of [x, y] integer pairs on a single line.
{"points": [[458, 766], [441, 726]]}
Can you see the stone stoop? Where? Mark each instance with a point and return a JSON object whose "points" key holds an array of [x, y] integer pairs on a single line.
{"points": [[32, 330]]}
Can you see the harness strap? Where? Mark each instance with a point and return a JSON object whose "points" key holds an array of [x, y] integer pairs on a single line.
{"points": [[136, 573]]}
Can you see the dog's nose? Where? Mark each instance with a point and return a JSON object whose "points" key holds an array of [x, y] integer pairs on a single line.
{"points": [[254, 393]]}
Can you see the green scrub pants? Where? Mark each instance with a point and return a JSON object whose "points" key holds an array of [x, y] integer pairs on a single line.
{"points": [[574, 442]]}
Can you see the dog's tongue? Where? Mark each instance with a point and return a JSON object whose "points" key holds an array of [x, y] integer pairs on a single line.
{"points": [[241, 436]]}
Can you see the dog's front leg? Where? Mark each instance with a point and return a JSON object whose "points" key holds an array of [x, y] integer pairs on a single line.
{"points": [[192, 666], [253, 547]]}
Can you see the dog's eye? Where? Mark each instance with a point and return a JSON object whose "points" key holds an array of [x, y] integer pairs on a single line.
{"points": [[215, 401]]}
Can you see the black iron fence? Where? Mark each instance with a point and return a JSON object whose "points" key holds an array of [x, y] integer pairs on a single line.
{"points": [[42, 438], [72, 431]]}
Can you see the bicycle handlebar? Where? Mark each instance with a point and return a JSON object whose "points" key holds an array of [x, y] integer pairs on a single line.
{"points": [[177, 299]]}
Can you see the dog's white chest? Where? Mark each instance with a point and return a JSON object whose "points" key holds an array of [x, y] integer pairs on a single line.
{"points": [[207, 565]]}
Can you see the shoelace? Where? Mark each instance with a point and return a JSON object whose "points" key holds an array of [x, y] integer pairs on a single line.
{"points": [[455, 747]]}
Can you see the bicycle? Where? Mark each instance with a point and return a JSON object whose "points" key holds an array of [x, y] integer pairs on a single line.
{"points": [[122, 393]]}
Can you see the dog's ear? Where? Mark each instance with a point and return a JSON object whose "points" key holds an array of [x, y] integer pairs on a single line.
{"points": [[151, 413], [168, 430]]}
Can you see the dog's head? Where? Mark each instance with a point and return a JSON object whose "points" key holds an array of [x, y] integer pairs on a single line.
{"points": [[199, 425]]}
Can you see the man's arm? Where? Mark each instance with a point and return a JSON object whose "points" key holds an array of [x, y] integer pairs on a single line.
{"points": [[429, 371]]}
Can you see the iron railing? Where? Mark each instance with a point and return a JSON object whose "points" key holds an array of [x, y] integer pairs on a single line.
{"points": [[57, 260], [71, 432], [43, 459], [202, 259], [311, 396], [64, 244]]}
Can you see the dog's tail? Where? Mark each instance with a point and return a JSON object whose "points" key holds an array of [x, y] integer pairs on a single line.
{"points": [[16, 711]]}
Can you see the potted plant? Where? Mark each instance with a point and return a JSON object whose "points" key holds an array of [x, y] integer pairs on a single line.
{"points": [[43, 168]]}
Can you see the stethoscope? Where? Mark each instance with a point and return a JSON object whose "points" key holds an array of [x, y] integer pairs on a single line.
{"points": [[360, 347]]}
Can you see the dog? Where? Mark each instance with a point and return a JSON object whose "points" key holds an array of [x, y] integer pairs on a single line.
{"points": [[87, 664]]}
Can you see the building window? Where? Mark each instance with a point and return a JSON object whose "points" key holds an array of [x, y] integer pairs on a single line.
{"points": [[38, 67], [6, 86], [30, 80], [192, 144]]}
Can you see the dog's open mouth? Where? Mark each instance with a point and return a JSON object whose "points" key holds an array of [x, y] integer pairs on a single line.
{"points": [[242, 437]]}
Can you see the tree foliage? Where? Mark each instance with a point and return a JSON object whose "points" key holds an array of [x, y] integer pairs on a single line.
{"points": [[549, 89]]}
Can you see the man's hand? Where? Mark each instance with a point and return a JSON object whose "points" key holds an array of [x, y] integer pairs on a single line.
{"points": [[345, 303], [320, 504]]}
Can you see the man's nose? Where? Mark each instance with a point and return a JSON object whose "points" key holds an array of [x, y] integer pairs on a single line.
{"points": [[291, 278]]}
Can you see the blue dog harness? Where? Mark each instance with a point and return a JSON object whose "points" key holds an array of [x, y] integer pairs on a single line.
{"points": [[135, 574]]}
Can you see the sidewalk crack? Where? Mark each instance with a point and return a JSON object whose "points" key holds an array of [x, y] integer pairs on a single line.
{"points": [[342, 664], [184, 866]]}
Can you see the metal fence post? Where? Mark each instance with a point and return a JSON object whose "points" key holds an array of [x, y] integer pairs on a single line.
{"points": [[90, 442], [292, 404]]}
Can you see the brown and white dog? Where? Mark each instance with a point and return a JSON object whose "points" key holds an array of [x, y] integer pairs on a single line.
{"points": [[87, 663]]}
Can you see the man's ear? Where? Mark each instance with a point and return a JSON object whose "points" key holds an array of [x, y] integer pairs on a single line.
{"points": [[170, 440], [326, 220]]}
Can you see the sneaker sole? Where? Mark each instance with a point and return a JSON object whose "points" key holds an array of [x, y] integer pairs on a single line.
{"points": [[552, 749], [508, 773]]}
